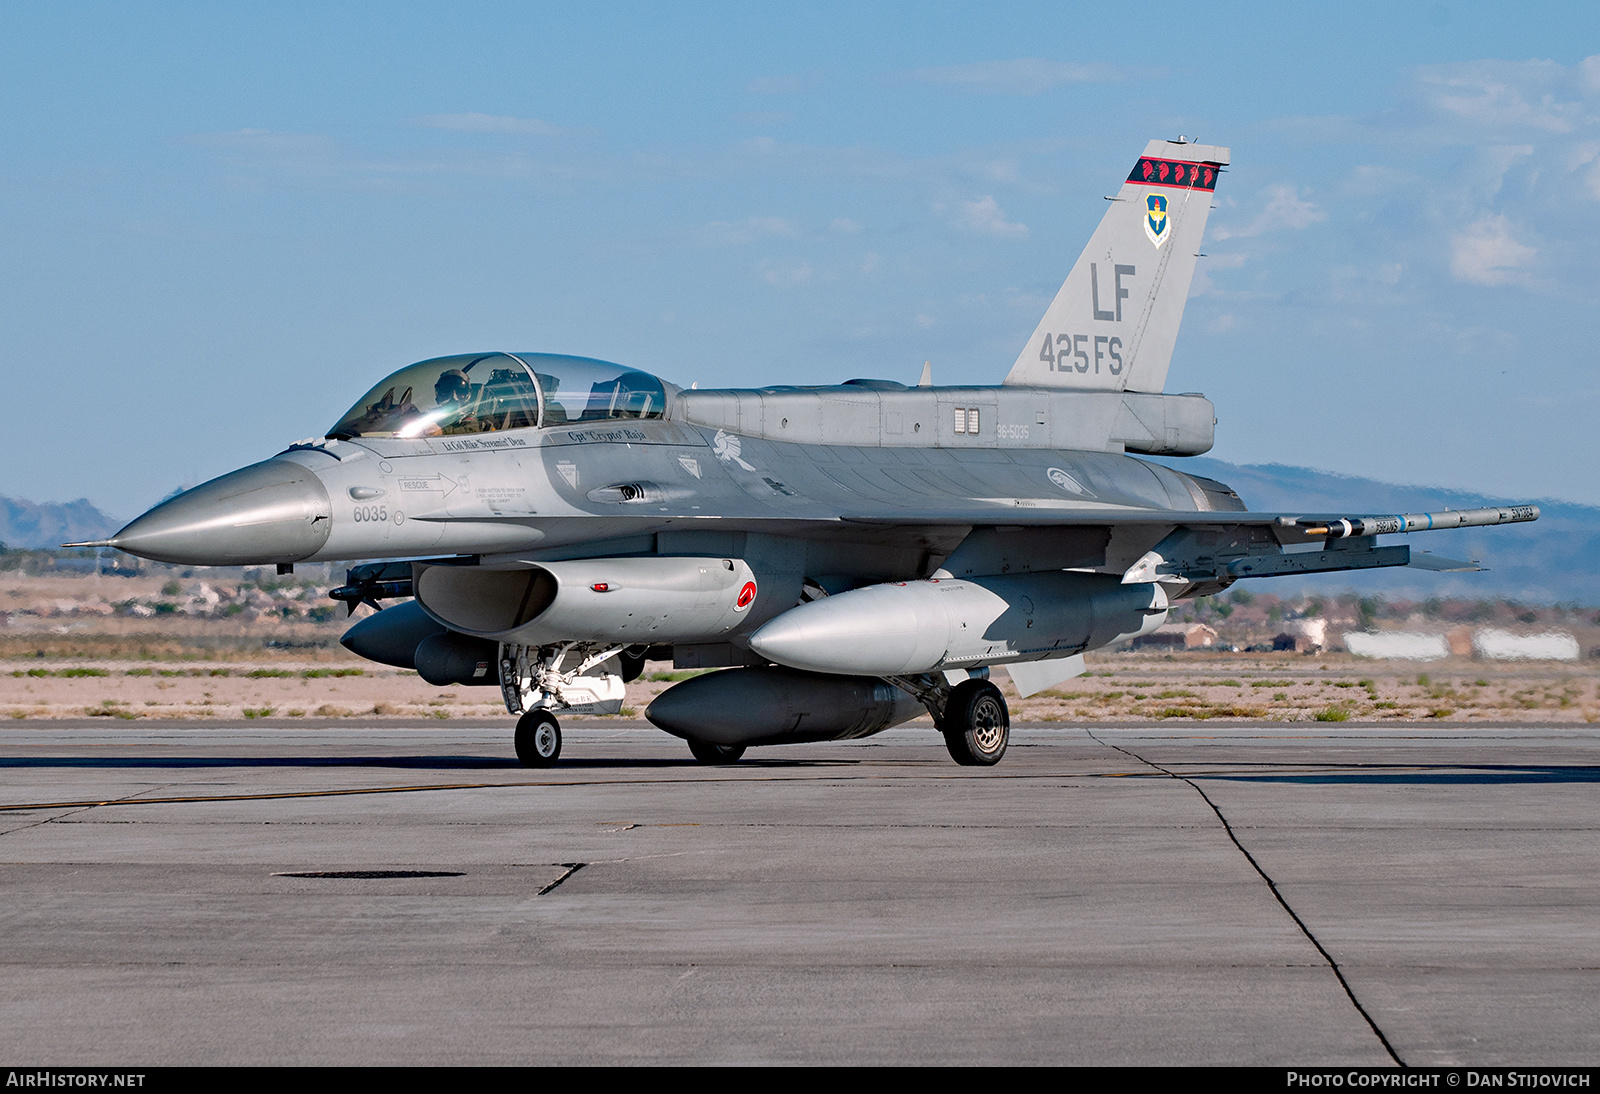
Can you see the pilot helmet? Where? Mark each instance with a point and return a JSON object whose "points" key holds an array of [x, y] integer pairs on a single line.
{"points": [[452, 386]]}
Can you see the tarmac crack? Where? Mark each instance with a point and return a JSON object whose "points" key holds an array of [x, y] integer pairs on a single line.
{"points": [[572, 868], [73, 809], [1273, 887]]}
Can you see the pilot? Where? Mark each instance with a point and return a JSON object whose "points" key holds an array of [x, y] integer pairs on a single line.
{"points": [[452, 386], [452, 393]]}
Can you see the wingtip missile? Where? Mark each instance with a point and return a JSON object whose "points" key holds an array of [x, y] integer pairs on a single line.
{"points": [[1347, 527]]}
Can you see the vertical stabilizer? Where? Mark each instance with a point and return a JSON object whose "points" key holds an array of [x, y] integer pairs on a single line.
{"points": [[1113, 324]]}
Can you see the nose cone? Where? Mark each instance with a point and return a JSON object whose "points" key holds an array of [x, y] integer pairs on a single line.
{"points": [[275, 511]]}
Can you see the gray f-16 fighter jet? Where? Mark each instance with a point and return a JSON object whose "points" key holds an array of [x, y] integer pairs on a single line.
{"points": [[851, 555]]}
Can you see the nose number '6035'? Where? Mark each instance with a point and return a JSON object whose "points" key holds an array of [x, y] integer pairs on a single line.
{"points": [[371, 513]]}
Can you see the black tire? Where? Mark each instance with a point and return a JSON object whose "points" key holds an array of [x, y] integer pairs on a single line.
{"points": [[976, 725], [538, 739], [708, 753], [632, 660]]}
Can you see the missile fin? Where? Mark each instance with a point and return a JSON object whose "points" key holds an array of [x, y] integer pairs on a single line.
{"points": [[1032, 677]]}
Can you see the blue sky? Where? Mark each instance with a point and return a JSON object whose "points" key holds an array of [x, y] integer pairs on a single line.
{"points": [[219, 224]]}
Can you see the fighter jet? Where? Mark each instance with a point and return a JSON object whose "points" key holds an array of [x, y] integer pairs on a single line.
{"points": [[849, 555]]}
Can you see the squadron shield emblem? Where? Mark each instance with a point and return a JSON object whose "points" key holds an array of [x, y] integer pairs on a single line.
{"points": [[1155, 218]]}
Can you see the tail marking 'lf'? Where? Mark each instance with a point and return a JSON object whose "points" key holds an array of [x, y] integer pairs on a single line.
{"points": [[1113, 324]]}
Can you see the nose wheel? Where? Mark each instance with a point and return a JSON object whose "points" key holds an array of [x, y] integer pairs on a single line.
{"points": [[976, 724], [538, 739]]}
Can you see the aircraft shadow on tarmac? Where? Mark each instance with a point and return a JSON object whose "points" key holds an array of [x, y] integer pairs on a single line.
{"points": [[1402, 775], [1441, 775], [434, 763]]}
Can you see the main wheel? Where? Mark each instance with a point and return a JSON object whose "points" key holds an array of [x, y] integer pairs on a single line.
{"points": [[708, 753], [633, 659], [976, 725], [538, 739]]}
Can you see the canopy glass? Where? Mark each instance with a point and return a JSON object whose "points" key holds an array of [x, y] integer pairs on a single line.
{"points": [[488, 392]]}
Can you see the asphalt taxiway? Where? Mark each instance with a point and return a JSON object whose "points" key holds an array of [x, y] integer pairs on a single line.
{"points": [[1295, 894]]}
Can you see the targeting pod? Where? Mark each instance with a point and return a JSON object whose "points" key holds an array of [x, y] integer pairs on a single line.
{"points": [[626, 601]]}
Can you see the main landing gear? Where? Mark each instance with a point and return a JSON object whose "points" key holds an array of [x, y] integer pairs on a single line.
{"points": [[972, 715], [976, 724], [538, 739]]}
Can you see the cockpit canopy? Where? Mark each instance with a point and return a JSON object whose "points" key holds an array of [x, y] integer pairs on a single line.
{"points": [[488, 392]]}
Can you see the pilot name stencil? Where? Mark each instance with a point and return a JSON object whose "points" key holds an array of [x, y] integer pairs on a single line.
{"points": [[481, 444], [611, 436]]}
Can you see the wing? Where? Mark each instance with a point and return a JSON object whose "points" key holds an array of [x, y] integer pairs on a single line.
{"points": [[1217, 548]]}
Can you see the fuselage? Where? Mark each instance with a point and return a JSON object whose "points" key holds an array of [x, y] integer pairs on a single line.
{"points": [[879, 483]]}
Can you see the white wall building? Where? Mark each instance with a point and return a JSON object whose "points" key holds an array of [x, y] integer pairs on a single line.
{"points": [[1497, 645]]}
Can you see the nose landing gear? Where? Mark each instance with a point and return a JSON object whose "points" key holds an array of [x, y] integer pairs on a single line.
{"points": [[538, 739]]}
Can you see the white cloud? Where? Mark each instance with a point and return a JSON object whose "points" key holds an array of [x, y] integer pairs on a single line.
{"points": [[490, 123], [1023, 76], [986, 217], [1369, 285], [763, 117], [1485, 254], [786, 275], [1589, 72], [1586, 154], [1202, 285], [1485, 177], [1498, 95], [726, 233], [266, 142], [776, 85], [259, 157], [1004, 171], [1284, 209], [1374, 179]]}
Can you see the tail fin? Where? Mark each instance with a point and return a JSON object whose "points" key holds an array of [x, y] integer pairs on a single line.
{"points": [[1113, 324]]}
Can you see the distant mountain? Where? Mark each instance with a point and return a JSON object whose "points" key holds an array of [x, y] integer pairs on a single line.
{"points": [[1554, 559], [30, 525]]}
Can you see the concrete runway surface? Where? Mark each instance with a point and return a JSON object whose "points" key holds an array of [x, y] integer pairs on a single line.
{"points": [[1179, 894]]}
